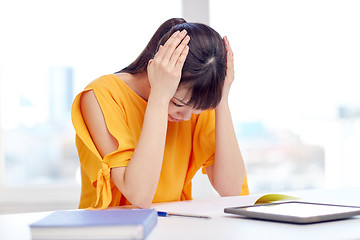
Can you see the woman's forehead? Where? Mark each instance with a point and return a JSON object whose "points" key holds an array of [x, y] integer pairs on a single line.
{"points": [[183, 94]]}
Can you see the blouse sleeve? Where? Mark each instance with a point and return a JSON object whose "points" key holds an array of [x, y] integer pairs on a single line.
{"points": [[97, 168]]}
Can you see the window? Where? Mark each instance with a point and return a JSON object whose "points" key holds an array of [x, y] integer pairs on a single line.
{"points": [[295, 99], [49, 51]]}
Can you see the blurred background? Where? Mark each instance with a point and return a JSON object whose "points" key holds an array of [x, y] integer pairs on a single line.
{"points": [[295, 100]]}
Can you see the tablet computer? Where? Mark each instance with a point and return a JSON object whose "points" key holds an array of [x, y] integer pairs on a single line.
{"points": [[296, 212]]}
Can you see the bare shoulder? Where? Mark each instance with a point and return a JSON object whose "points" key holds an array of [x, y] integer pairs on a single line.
{"points": [[91, 111], [95, 122], [87, 101]]}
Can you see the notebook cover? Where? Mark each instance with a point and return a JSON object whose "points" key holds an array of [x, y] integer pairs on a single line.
{"points": [[93, 218]]}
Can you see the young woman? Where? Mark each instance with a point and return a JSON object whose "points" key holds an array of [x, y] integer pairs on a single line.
{"points": [[143, 132]]}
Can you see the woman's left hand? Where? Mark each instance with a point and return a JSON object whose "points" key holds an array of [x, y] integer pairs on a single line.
{"points": [[230, 75]]}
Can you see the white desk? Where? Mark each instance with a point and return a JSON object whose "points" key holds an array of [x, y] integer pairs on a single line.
{"points": [[224, 226]]}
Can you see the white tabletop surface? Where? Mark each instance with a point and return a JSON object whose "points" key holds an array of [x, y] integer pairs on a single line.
{"points": [[221, 225]]}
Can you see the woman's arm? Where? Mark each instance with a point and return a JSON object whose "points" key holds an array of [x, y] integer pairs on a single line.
{"points": [[228, 172], [138, 181]]}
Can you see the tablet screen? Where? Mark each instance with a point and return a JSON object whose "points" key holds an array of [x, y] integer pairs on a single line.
{"points": [[297, 209]]}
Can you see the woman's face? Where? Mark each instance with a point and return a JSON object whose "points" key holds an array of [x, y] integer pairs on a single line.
{"points": [[179, 110]]}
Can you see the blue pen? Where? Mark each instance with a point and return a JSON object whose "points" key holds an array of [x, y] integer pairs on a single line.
{"points": [[168, 214]]}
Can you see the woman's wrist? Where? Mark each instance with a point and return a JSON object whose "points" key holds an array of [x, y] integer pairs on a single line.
{"points": [[158, 100], [224, 102]]}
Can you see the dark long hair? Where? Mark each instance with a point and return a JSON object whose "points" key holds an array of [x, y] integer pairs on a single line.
{"points": [[204, 68]]}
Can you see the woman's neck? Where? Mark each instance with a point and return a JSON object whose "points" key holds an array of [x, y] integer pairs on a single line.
{"points": [[138, 82]]}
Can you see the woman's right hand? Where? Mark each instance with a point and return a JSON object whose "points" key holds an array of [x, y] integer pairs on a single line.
{"points": [[164, 70]]}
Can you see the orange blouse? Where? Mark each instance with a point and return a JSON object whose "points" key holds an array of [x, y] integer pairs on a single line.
{"points": [[189, 146]]}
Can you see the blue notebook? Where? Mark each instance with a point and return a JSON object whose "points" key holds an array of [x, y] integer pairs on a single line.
{"points": [[95, 224]]}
